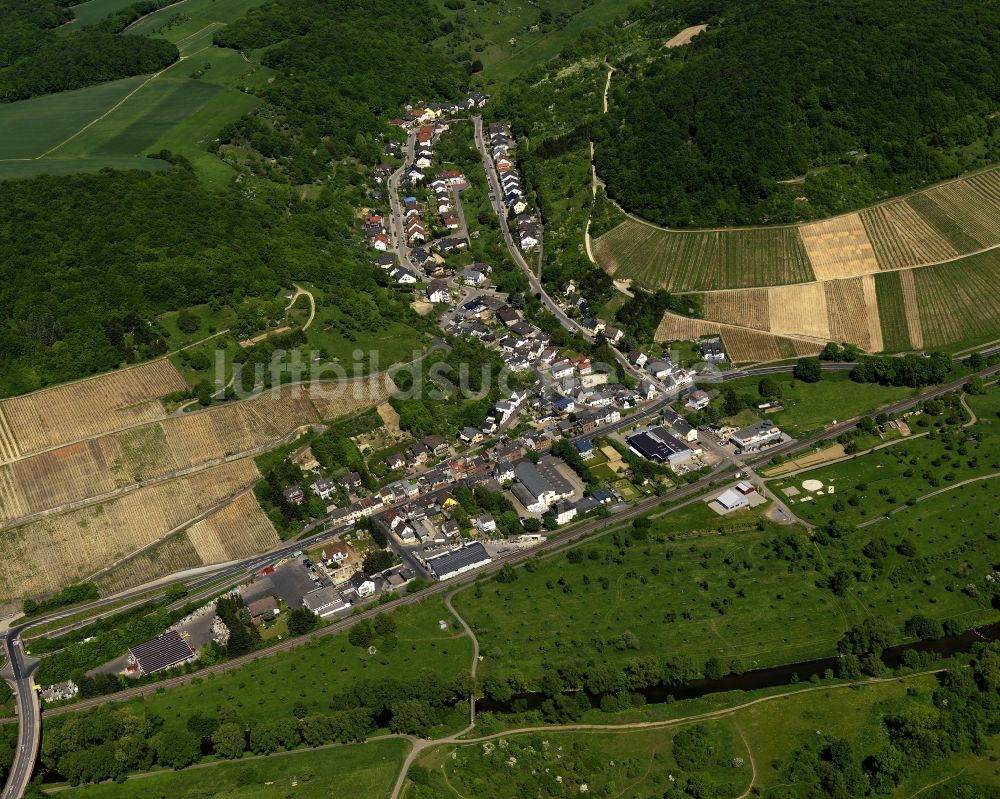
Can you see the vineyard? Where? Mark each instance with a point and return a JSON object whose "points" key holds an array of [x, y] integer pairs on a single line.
{"points": [[902, 238], [90, 407], [911, 306], [839, 247], [852, 308], [959, 303], [800, 310], [936, 226], [892, 311], [43, 555], [236, 531], [172, 554], [747, 308], [973, 205], [109, 463], [703, 260], [743, 345]]}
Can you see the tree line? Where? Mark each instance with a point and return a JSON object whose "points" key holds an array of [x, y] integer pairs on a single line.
{"points": [[859, 101]]}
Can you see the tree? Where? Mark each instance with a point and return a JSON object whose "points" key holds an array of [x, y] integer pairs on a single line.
{"points": [[377, 560], [977, 362], [384, 625], [188, 322], [924, 628], [361, 634], [975, 385], [177, 748], [301, 621], [768, 388], [808, 370], [229, 740]]}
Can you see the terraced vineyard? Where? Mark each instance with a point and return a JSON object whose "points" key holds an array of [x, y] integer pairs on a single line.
{"points": [[86, 408], [701, 260], [909, 274], [44, 555]]}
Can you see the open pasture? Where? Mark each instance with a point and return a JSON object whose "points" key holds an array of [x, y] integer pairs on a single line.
{"points": [[56, 550], [86, 408], [361, 771], [95, 10], [718, 589], [703, 260]]}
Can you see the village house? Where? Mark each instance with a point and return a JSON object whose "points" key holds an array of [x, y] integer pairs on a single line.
{"points": [[437, 292]]}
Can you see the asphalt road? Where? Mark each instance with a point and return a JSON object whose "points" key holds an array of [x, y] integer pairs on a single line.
{"points": [[18, 675]]}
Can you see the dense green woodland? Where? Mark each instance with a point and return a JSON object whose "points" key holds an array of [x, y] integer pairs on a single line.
{"points": [[866, 99], [39, 57], [87, 260], [344, 67]]}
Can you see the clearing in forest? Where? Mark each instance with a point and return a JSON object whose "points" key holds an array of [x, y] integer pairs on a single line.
{"points": [[686, 35]]}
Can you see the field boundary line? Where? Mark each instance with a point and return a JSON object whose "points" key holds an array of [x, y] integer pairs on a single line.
{"points": [[119, 104], [785, 225], [980, 251], [180, 42], [151, 13]]}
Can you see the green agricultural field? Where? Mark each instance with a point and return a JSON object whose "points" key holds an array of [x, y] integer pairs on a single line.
{"points": [[892, 312], [191, 24], [701, 260], [95, 10], [361, 771], [731, 595], [33, 127], [312, 673], [809, 407], [959, 302]]}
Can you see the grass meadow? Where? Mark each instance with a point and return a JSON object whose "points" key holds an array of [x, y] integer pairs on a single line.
{"points": [[313, 672], [699, 585], [809, 407], [362, 771], [95, 10]]}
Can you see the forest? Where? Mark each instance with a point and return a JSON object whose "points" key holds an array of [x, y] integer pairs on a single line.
{"points": [[343, 68], [87, 260], [794, 109], [37, 56]]}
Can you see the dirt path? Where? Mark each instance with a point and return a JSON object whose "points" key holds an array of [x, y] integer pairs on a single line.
{"points": [[923, 497], [753, 764], [299, 291], [120, 103]]}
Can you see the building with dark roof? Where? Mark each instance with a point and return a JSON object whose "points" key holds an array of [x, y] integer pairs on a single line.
{"points": [[165, 652], [457, 561], [659, 446], [539, 486]]}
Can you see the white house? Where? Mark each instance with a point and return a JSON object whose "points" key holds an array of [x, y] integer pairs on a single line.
{"points": [[437, 292], [486, 523]]}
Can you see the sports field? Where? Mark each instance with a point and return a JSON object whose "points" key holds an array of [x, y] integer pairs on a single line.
{"points": [[361, 771]]}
